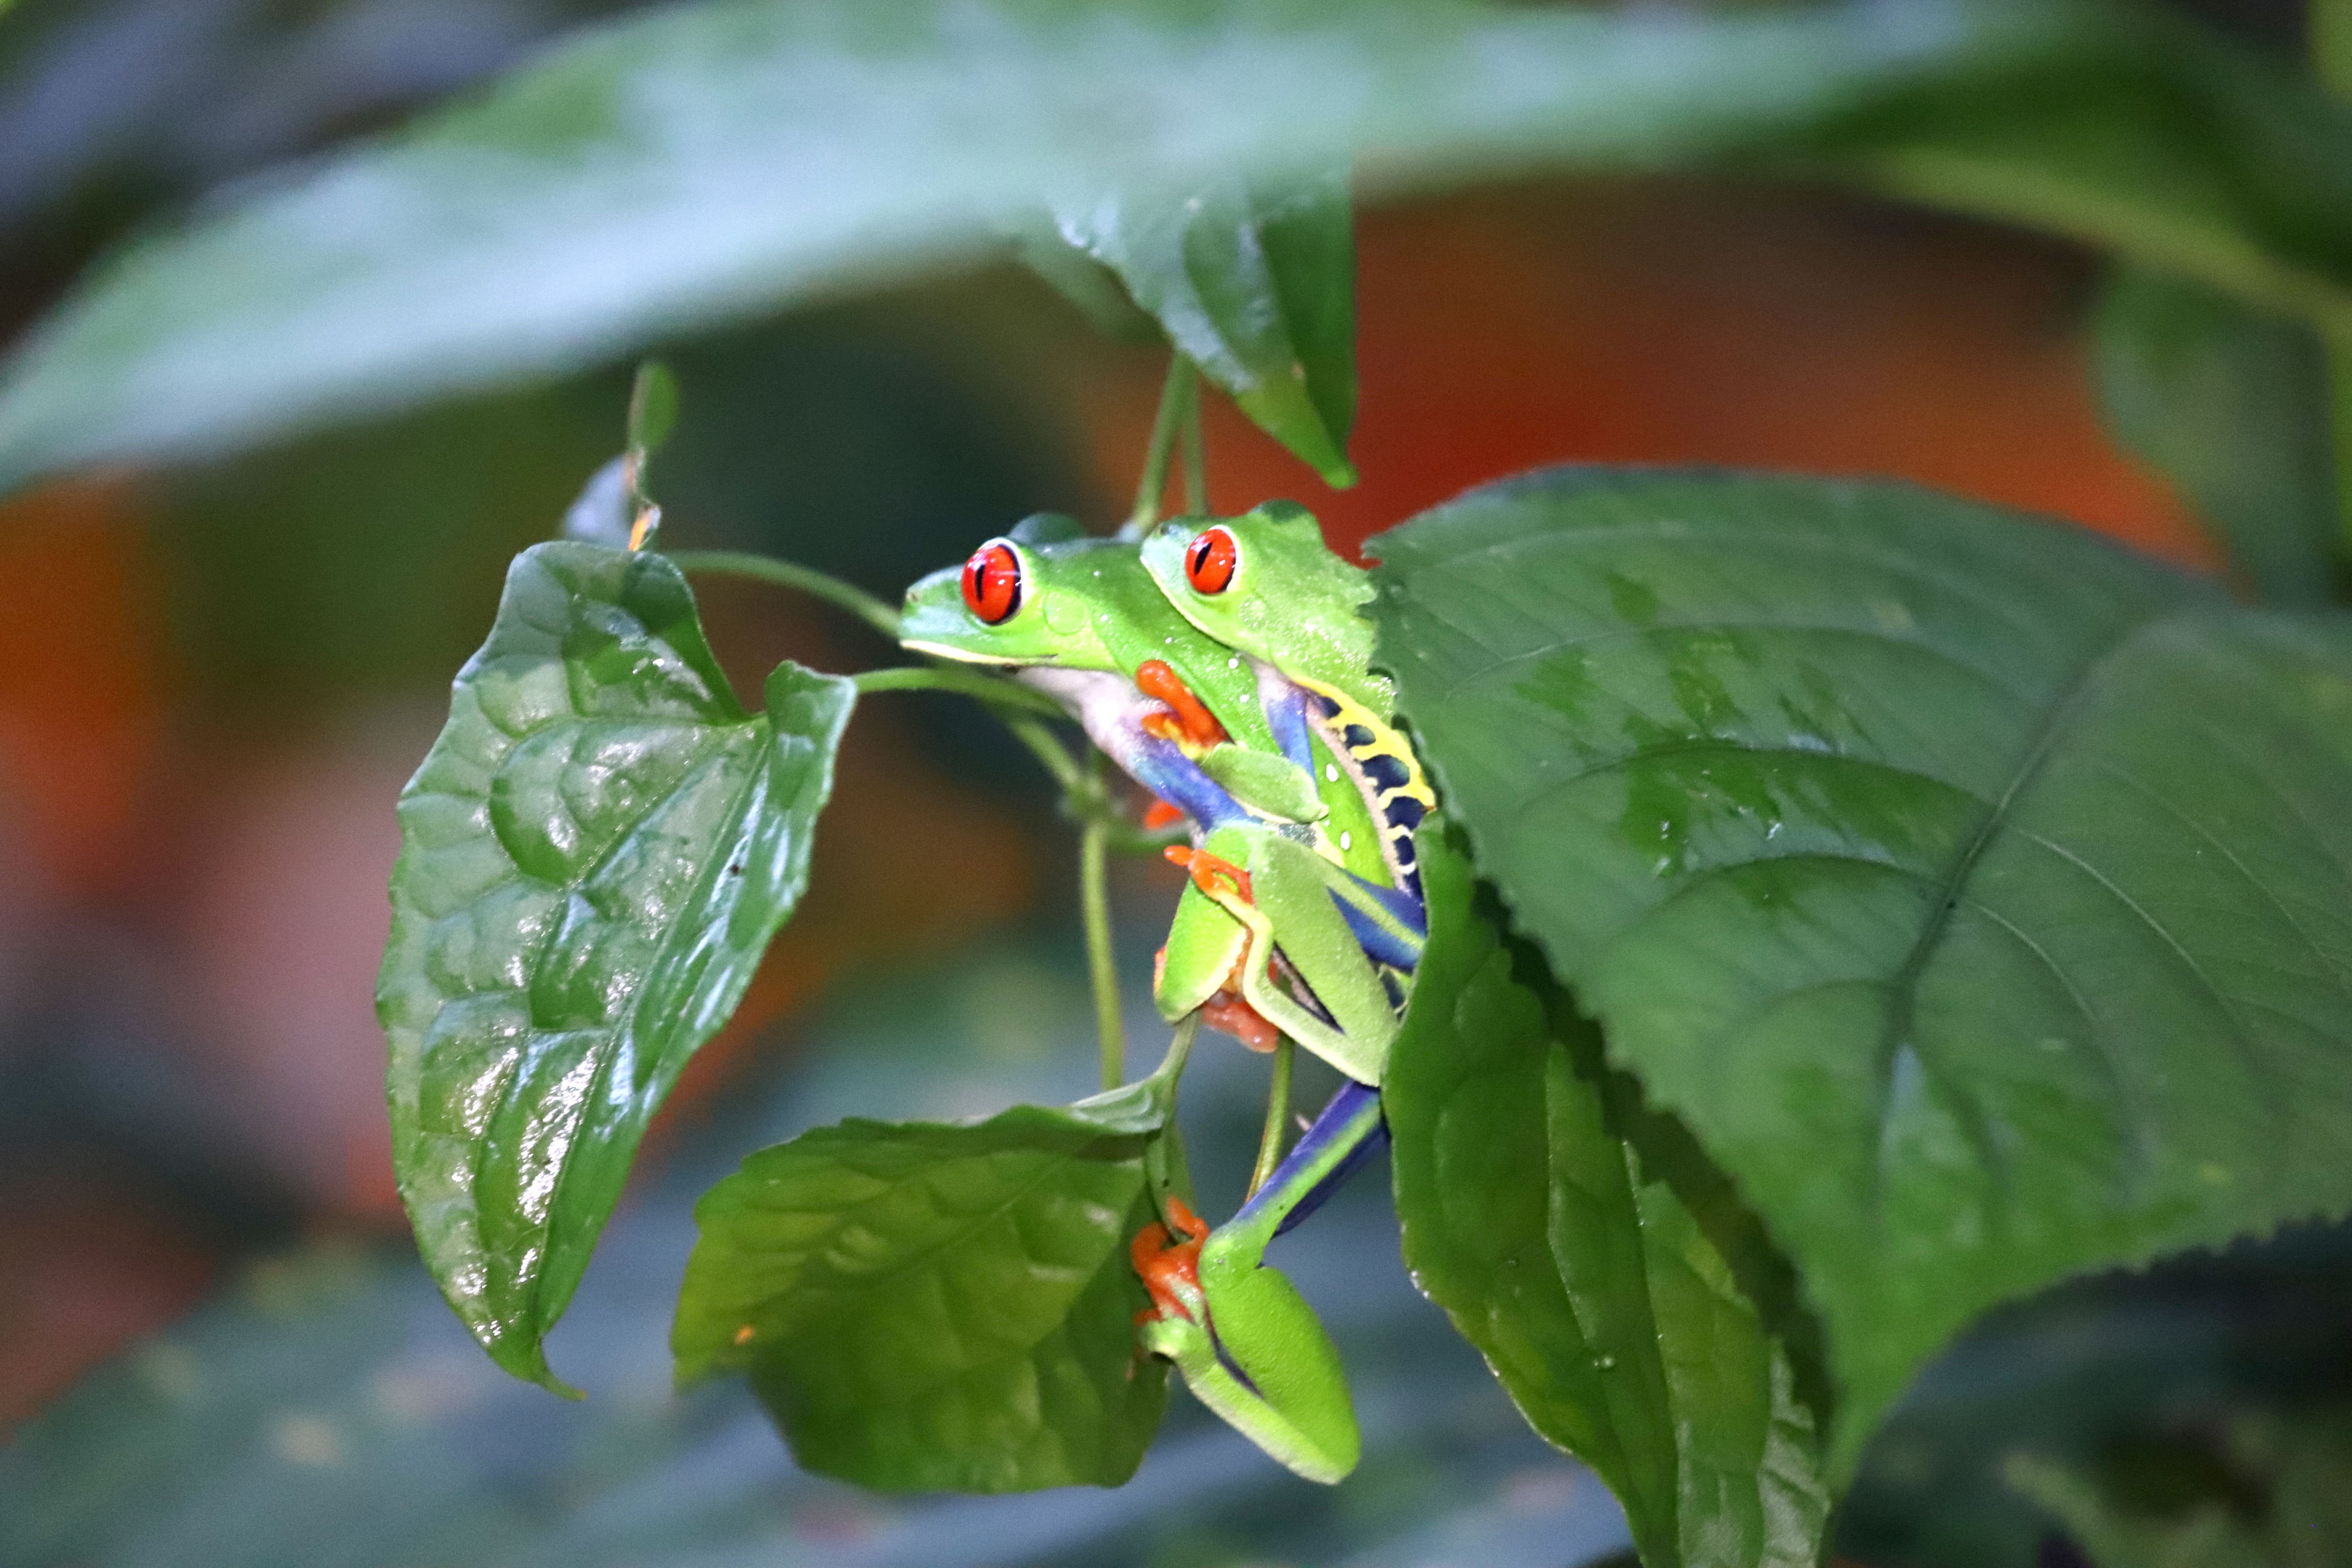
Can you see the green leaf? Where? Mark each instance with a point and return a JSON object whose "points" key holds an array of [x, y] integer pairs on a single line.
{"points": [[784, 151], [927, 1306], [594, 855], [2231, 405], [1093, 288], [1576, 1267], [1977, 894], [1255, 283]]}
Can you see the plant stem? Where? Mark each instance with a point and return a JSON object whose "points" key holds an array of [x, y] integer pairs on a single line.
{"points": [[993, 689], [1277, 1116], [2330, 23], [1174, 394], [786, 574], [1102, 966], [1196, 457]]}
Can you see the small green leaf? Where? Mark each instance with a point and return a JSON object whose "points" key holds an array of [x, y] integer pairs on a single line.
{"points": [[593, 857], [1579, 1270], [653, 408], [2232, 406], [1255, 283], [929, 1307], [1977, 894]]}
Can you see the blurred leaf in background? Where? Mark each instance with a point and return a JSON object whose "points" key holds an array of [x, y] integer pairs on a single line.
{"points": [[2232, 404]]}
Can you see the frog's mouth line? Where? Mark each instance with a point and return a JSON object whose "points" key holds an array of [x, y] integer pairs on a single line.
{"points": [[965, 655]]}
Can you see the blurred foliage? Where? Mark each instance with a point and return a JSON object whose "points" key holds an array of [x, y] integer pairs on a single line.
{"points": [[778, 151], [2203, 1381], [2232, 405]]}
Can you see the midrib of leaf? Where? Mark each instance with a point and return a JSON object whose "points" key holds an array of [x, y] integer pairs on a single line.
{"points": [[1903, 986], [544, 1282], [1062, 1163]]}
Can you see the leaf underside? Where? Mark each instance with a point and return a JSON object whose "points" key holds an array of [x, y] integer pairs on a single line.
{"points": [[1977, 894], [1588, 1283], [1255, 282], [781, 152], [931, 1307], [594, 855]]}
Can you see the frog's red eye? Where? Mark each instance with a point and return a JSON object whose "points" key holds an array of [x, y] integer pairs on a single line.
{"points": [[991, 581], [1209, 561]]}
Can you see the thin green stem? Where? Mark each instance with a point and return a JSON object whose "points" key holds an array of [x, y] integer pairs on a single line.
{"points": [[1102, 966], [786, 574], [992, 690], [1175, 393], [1277, 1117], [2330, 22], [1196, 457]]}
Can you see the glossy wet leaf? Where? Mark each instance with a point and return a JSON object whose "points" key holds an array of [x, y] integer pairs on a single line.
{"points": [[1980, 895], [1578, 1268], [2232, 406], [1255, 281], [700, 164], [929, 1307], [593, 857]]}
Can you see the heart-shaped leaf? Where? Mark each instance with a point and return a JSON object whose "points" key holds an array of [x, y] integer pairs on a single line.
{"points": [[1577, 1268], [593, 857], [932, 1306], [1979, 894]]}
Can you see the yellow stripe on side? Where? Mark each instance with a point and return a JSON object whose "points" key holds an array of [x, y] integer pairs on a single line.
{"points": [[1386, 741]]}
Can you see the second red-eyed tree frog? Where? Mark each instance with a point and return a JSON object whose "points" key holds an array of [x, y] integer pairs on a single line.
{"points": [[1266, 585]]}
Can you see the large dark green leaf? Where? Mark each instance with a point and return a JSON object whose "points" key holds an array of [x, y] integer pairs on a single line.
{"points": [[593, 857], [1977, 894], [1577, 1268], [928, 1307], [2231, 405], [1255, 283], [709, 161]]}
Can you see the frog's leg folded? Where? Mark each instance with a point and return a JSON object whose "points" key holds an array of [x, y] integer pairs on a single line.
{"points": [[1246, 1343]]}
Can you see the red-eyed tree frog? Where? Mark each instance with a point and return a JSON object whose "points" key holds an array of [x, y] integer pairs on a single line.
{"points": [[1269, 910], [1266, 585], [1273, 917]]}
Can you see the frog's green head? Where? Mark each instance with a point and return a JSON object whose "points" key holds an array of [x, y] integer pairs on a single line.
{"points": [[1044, 593], [1266, 583]]}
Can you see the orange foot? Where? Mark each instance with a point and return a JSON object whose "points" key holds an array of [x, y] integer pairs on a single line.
{"points": [[1170, 1269], [1198, 726], [1160, 815], [1209, 870]]}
